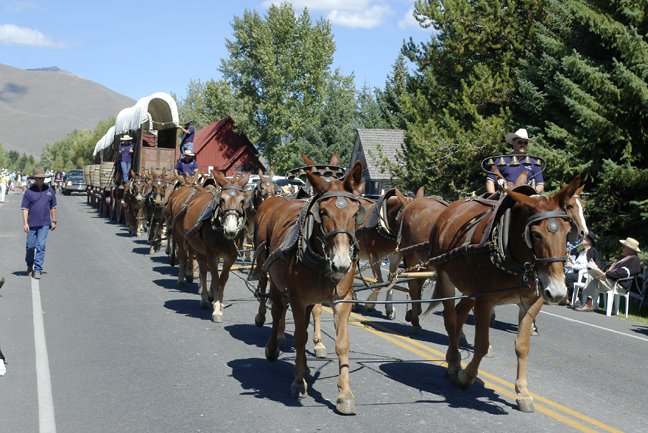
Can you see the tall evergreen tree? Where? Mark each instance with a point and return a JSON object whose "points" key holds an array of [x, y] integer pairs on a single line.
{"points": [[583, 90]]}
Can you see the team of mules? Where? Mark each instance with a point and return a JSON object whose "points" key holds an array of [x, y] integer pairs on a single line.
{"points": [[507, 248]]}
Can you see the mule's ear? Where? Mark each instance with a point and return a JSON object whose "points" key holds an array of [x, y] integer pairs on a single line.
{"points": [[522, 178], [420, 193], [580, 189], [335, 159], [318, 183], [131, 173], [354, 180], [568, 191], [306, 159], [244, 179], [522, 199], [400, 196], [271, 174], [219, 177]]}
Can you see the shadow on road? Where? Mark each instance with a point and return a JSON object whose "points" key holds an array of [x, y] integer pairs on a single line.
{"points": [[430, 378], [271, 380], [189, 308], [640, 329], [172, 284], [405, 329]]}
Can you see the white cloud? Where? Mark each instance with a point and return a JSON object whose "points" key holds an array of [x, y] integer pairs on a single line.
{"points": [[364, 14], [408, 21], [11, 34]]}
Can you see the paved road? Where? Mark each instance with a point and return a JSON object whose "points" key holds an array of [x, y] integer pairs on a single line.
{"points": [[105, 342]]}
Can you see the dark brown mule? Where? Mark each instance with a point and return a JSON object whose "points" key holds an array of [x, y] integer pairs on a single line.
{"points": [[321, 269], [161, 189], [264, 189], [416, 221], [134, 193], [515, 258], [213, 226], [377, 237], [179, 250]]}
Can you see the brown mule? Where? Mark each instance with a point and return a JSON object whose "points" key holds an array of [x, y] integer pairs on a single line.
{"points": [[321, 269], [417, 220], [213, 227], [511, 253]]}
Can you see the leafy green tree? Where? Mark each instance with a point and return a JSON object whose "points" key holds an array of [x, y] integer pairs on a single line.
{"points": [[278, 68], [456, 104], [583, 90]]}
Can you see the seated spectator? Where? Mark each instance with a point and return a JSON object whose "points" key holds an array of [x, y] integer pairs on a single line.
{"points": [[578, 264], [628, 266], [187, 165]]}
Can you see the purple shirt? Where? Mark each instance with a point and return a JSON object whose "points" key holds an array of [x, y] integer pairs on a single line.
{"points": [[186, 168], [38, 204], [189, 136], [511, 173], [125, 154]]}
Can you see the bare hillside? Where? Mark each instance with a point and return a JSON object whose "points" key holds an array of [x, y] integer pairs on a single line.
{"points": [[44, 105]]}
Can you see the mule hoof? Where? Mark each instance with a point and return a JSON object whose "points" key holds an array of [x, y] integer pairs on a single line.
{"points": [[525, 404], [151, 250], [416, 329], [271, 355], [298, 390], [217, 317], [189, 278], [345, 406], [408, 316], [463, 380], [259, 320], [204, 305], [320, 350], [370, 307], [391, 315], [490, 352]]}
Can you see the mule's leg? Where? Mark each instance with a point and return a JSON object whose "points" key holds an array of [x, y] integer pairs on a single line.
{"points": [[345, 402], [260, 318], [217, 314], [444, 289], [228, 261], [390, 310], [189, 263], [298, 386], [320, 349], [462, 309], [182, 256], [278, 310], [524, 399], [482, 310], [374, 262], [412, 316], [204, 290]]}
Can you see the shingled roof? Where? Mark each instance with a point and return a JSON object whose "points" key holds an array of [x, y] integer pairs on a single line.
{"points": [[369, 141]]}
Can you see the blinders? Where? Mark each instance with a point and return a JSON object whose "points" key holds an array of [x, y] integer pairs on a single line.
{"points": [[220, 211], [340, 203], [552, 227]]}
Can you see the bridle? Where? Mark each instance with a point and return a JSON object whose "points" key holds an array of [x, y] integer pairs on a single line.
{"points": [[223, 212], [340, 203]]}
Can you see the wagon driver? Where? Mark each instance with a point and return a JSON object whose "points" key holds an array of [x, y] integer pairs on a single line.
{"points": [[125, 156], [520, 141], [187, 165]]}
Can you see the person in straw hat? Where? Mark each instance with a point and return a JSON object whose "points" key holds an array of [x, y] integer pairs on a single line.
{"points": [[187, 165], [628, 266], [39, 216], [125, 156], [520, 141]]}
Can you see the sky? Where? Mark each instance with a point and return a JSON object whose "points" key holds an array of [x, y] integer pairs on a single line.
{"points": [[139, 47]]}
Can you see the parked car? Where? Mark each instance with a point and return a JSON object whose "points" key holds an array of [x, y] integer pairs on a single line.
{"points": [[73, 172], [281, 182], [73, 183]]}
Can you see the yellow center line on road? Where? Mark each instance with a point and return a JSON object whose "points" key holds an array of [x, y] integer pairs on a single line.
{"points": [[493, 382]]}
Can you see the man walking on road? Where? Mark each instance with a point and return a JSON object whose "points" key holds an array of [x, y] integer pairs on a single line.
{"points": [[39, 215]]}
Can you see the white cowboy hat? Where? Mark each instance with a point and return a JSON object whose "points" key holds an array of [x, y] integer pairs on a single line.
{"points": [[126, 137], [520, 133], [631, 243], [188, 153]]}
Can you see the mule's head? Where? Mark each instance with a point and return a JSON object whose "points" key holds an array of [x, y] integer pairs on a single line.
{"points": [[158, 188], [543, 247], [137, 187], [231, 211], [264, 189], [337, 211]]}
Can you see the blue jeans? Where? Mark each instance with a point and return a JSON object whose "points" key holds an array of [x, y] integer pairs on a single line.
{"points": [[36, 239], [184, 147], [125, 167]]}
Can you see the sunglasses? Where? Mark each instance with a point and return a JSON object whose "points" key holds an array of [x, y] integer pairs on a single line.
{"points": [[521, 142]]}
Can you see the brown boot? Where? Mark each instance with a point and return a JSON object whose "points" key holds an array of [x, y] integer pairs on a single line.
{"points": [[587, 306]]}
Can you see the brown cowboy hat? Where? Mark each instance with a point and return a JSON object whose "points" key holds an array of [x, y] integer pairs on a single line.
{"points": [[39, 172], [631, 243]]}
